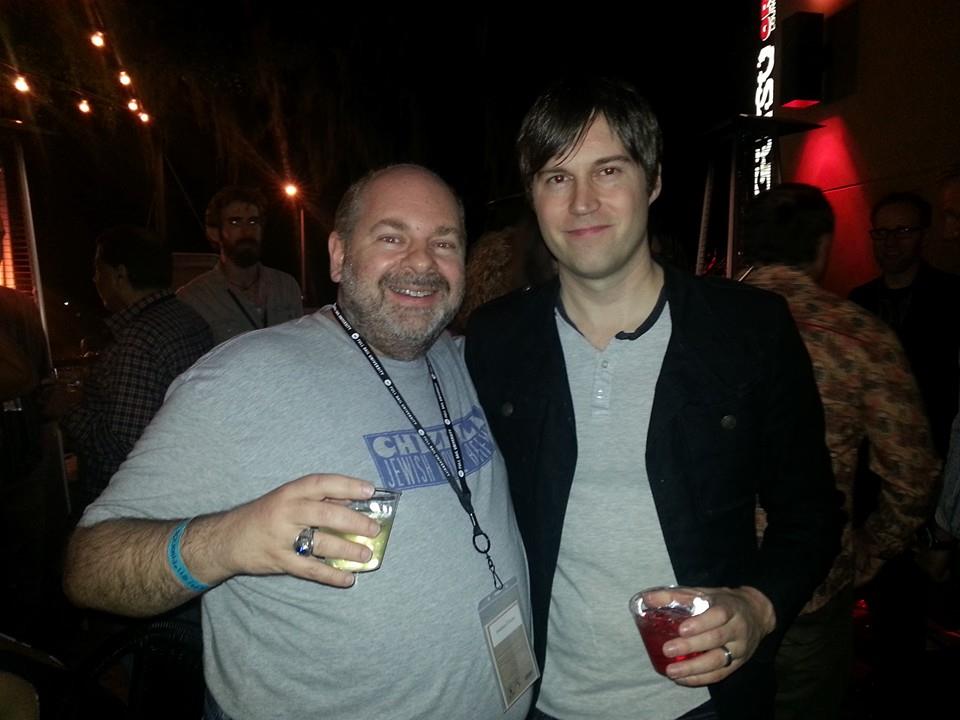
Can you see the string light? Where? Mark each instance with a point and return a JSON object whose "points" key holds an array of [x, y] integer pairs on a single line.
{"points": [[291, 190], [81, 100]]}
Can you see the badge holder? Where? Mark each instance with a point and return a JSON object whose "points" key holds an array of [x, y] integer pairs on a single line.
{"points": [[501, 616]]}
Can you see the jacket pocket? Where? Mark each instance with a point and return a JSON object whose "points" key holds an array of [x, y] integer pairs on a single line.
{"points": [[721, 458]]}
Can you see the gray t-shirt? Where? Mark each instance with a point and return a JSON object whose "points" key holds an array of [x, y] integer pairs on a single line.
{"points": [[405, 641], [612, 546]]}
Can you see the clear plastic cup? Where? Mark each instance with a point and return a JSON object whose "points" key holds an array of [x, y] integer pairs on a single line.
{"points": [[658, 613], [382, 507]]}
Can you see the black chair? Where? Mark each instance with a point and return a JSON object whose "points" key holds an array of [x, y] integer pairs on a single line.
{"points": [[61, 694], [161, 661]]}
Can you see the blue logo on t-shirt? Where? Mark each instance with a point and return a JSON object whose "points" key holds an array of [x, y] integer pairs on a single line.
{"points": [[405, 462]]}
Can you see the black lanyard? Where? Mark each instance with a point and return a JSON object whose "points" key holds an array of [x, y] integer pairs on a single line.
{"points": [[481, 541], [243, 309]]}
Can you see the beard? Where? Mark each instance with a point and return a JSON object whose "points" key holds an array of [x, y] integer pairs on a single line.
{"points": [[244, 253], [401, 333]]}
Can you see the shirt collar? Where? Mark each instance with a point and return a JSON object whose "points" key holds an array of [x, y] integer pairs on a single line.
{"points": [[121, 319], [648, 323]]}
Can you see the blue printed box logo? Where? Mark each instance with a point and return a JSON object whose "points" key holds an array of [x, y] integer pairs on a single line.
{"points": [[404, 462]]}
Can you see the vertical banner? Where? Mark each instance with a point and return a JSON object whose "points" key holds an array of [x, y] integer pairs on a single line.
{"points": [[763, 156]]}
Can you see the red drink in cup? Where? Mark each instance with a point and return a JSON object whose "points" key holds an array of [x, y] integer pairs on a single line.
{"points": [[658, 613]]}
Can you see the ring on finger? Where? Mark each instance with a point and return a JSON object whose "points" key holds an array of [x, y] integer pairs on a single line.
{"points": [[303, 545], [727, 656]]}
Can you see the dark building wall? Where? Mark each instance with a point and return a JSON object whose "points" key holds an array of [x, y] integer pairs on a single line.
{"points": [[892, 77]]}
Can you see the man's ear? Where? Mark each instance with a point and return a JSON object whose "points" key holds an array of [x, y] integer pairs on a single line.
{"points": [[213, 237], [822, 258], [335, 246], [657, 186]]}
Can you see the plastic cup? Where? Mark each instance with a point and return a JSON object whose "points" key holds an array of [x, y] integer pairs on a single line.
{"points": [[382, 507], [658, 613]]}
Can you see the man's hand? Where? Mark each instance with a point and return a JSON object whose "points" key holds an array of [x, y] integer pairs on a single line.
{"points": [[738, 619], [121, 565], [257, 538]]}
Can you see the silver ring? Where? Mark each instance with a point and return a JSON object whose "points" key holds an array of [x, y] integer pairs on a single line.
{"points": [[728, 656], [303, 545]]}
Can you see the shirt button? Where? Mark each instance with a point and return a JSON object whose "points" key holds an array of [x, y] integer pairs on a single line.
{"points": [[728, 422], [506, 409], [605, 364]]}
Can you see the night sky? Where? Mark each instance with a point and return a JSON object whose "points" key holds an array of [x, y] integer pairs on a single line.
{"points": [[269, 90]]}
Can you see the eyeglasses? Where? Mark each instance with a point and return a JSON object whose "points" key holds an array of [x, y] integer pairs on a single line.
{"points": [[249, 222], [899, 233]]}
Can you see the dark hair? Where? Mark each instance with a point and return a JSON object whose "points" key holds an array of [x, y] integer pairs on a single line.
{"points": [[145, 256], [923, 208], [784, 225], [561, 116], [348, 211], [213, 217]]}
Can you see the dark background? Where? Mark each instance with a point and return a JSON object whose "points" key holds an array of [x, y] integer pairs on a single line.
{"points": [[258, 92]]}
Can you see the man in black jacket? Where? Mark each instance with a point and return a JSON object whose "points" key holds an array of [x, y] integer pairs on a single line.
{"points": [[917, 301], [643, 414]]}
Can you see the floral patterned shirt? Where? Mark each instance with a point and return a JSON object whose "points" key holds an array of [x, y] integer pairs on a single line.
{"points": [[867, 392]]}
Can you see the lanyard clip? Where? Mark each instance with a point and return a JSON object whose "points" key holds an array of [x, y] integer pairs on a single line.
{"points": [[481, 541]]}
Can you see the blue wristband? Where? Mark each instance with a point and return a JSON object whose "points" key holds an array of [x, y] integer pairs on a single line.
{"points": [[176, 561]]}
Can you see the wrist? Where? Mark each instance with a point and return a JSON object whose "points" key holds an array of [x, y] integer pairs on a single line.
{"points": [[934, 537], [763, 608], [177, 564], [197, 550]]}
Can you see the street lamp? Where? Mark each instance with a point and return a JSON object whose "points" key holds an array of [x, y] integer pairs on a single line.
{"points": [[292, 191]]}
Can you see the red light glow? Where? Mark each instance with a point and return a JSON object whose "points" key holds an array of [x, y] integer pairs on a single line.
{"points": [[800, 104], [829, 158]]}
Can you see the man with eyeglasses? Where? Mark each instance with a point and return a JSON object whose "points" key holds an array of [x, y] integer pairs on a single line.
{"points": [[918, 302], [240, 293]]}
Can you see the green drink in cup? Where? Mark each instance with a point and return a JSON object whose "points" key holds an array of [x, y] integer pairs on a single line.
{"points": [[382, 507]]}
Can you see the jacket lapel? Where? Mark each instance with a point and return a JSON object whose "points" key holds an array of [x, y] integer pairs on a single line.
{"points": [[700, 363]]}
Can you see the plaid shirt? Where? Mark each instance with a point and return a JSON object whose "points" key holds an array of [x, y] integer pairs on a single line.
{"points": [[154, 340], [868, 392]]}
